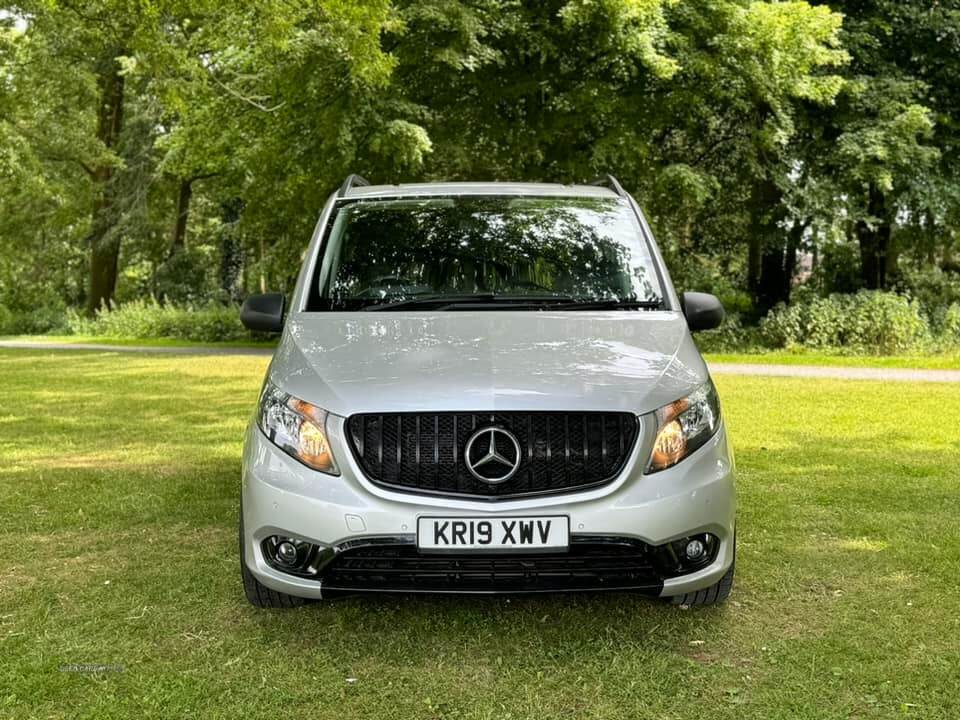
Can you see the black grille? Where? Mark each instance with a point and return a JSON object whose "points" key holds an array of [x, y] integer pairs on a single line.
{"points": [[423, 452], [587, 565]]}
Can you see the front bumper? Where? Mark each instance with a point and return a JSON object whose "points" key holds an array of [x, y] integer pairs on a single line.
{"points": [[341, 514]]}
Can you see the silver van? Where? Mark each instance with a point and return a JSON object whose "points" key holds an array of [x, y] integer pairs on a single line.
{"points": [[485, 388]]}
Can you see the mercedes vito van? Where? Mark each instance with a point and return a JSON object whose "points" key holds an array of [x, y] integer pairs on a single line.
{"points": [[485, 388]]}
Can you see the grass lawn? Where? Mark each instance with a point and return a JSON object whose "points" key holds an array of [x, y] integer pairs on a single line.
{"points": [[119, 481], [146, 342], [945, 361]]}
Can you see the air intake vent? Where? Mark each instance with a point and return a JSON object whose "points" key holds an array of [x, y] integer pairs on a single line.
{"points": [[558, 452]]}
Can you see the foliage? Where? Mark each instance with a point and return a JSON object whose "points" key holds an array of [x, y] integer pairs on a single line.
{"points": [[145, 319], [838, 270], [935, 290], [868, 322], [731, 336], [183, 150], [950, 328], [185, 276]]}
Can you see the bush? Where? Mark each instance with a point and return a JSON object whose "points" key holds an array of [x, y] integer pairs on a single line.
{"points": [[6, 321], [141, 319], [869, 322], [950, 330], [936, 290], [43, 320], [731, 336], [33, 311]]}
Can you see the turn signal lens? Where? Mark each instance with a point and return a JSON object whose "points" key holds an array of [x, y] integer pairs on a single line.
{"points": [[670, 445], [296, 427], [684, 426]]}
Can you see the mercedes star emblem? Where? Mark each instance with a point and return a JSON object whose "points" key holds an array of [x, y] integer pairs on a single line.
{"points": [[493, 455]]}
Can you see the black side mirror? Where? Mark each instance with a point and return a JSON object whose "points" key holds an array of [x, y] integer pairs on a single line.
{"points": [[263, 313], [703, 311]]}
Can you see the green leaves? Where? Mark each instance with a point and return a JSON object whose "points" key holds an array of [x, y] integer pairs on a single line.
{"points": [[635, 28], [266, 105]]}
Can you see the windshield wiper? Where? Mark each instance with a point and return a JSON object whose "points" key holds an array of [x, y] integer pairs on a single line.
{"points": [[428, 301], [610, 305]]}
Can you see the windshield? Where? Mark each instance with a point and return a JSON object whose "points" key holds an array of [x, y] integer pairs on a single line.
{"points": [[501, 250]]}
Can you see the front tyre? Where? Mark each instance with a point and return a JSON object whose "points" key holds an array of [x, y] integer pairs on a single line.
{"points": [[258, 594]]}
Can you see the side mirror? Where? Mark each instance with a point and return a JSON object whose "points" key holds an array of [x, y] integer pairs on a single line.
{"points": [[263, 313], [702, 310]]}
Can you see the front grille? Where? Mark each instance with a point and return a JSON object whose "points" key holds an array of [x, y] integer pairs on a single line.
{"points": [[424, 452], [589, 564]]}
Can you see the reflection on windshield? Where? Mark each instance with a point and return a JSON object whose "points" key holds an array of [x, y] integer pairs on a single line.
{"points": [[395, 250]]}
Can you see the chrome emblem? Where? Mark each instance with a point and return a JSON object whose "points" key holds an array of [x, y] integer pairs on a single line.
{"points": [[492, 455]]}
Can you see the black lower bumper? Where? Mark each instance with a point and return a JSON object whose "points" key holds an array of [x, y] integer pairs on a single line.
{"points": [[590, 564]]}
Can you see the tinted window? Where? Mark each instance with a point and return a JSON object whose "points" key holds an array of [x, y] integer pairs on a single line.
{"points": [[388, 250]]}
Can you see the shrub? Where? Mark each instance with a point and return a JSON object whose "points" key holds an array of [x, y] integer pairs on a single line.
{"points": [[142, 319], [869, 322], [31, 310], [936, 290], [950, 330], [43, 320], [731, 336], [6, 321]]}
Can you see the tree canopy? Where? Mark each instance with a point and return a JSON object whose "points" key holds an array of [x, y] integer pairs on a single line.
{"points": [[183, 150]]}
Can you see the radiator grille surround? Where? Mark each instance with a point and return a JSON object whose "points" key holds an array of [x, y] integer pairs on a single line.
{"points": [[423, 453]]}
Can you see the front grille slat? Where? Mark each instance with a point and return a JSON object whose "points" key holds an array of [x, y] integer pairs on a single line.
{"points": [[559, 451], [586, 565]]}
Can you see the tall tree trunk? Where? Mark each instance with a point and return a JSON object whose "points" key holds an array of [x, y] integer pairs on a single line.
{"points": [[875, 242], [766, 261], [754, 251], [790, 257], [231, 252], [179, 239], [104, 243]]}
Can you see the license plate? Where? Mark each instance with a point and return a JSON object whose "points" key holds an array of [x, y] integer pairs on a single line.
{"points": [[501, 533]]}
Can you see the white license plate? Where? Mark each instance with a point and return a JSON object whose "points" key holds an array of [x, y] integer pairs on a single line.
{"points": [[501, 533]]}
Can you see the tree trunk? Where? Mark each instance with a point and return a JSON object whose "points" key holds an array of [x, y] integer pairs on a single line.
{"points": [[794, 239], [875, 242], [766, 261], [104, 243], [179, 240], [231, 252], [754, 250]]}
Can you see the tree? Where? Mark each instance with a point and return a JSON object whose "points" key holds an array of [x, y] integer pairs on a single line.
{"points": [[881, 136]]}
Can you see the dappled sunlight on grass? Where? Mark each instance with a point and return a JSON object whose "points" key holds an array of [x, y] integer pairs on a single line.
{"points": [[861, 544]]}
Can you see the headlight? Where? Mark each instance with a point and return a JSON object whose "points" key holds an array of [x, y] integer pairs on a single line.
{"points": [[683, 426], [296, 427]]}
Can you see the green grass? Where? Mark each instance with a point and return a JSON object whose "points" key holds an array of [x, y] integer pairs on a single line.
{"points": [[127, 341], [119, 481], [944, 361]]}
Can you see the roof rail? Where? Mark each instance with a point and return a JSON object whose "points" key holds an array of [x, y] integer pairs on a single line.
{"points": [[609, 181], [351, 181]]}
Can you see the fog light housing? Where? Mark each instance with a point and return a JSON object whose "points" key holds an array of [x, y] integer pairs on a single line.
{"points": [[687, 554], [291, 555]]}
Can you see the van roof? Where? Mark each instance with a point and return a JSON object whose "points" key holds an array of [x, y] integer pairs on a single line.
{"points": [[475, 188]]}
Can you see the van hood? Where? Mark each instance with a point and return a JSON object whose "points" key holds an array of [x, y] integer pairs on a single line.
{"points": [[478, 361]]}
